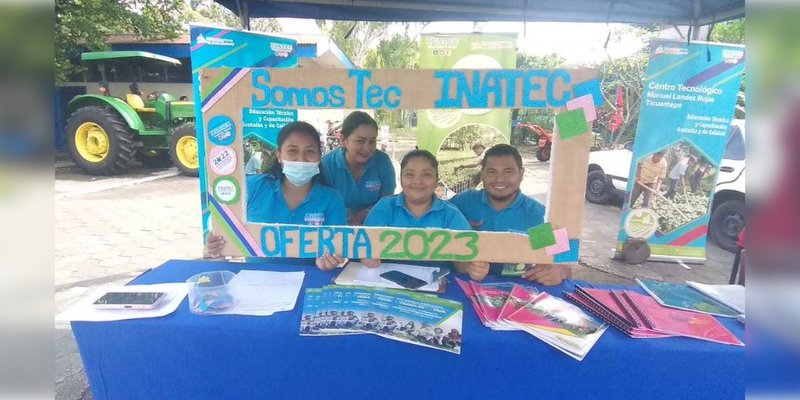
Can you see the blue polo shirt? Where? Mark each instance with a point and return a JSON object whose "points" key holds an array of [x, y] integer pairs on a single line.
{"points": [[377, 181], [392, 211], [523, 213], [266, 204]]}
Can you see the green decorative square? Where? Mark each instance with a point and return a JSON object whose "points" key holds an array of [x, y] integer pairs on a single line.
{"points": [[541, 236], [572, 123]]}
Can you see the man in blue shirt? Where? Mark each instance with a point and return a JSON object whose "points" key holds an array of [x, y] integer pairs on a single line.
{"points": [[501, 207]]}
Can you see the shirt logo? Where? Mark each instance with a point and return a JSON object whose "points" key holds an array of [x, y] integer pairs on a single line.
{"points": [[373, 185], [315, 219]]}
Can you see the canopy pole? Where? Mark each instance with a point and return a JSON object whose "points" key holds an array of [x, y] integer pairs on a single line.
{"points": [[244, 13], [697, 9]]}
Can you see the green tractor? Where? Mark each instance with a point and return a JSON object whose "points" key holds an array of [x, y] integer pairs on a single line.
{"points": [[104, 133]]}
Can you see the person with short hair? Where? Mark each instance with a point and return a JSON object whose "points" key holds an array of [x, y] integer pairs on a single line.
{"points": [[502, 207], [649, 175], [360, 173], [292, 191], [677, 173]]}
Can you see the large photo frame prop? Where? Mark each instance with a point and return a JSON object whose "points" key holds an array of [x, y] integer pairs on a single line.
{"points": [[236, 100]]}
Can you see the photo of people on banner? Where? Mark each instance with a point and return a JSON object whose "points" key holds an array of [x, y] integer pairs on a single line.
{"points": [[676, 183]]}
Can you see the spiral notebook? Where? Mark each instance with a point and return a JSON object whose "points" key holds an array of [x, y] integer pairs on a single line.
{"points": [[641, 316]]}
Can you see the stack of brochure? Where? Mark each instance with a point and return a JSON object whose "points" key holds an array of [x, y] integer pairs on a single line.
{"points": [[641, 316], [554, 321], [421, 319]]}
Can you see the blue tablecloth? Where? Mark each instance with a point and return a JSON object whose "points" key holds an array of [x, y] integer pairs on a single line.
{"points": [[185, 356]]}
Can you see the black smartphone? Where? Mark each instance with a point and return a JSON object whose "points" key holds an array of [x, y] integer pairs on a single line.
{"points": [[404, 280]]}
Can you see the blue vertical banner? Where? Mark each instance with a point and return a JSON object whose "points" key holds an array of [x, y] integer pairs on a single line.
{"points": [[213, 47], [690, 91]]}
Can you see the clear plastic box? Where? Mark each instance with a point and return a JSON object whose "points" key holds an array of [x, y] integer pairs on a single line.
{"points": [[209, 292]]}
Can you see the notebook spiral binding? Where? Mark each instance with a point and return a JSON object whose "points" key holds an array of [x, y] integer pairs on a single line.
{"points": [[638, 310], [598, 313]]}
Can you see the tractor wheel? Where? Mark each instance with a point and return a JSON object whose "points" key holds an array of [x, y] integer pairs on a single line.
{"points": [[183, 149], [99, 141], [543, 153], [154, 158]]}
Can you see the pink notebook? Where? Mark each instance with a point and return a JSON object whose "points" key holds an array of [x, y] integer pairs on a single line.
{"points": [[679, 322]]}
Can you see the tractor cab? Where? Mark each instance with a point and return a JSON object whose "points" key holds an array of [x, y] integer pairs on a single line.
{"points": [[108, 130]]}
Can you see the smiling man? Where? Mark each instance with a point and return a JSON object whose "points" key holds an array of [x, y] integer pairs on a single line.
{"points": [[501, 207]]}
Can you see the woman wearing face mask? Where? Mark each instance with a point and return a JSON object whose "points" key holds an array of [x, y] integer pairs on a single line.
{"points": [[417, 206], [356, 170], [289, 193]]}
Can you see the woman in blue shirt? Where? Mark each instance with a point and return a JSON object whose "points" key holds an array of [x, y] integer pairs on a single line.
{"points": [[290, 192], [417, 206], [356, 170]]}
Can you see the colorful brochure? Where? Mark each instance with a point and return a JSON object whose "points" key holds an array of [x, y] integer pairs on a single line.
{"points": [[416, 318]]}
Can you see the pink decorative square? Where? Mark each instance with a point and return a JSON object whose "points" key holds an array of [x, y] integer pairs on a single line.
{"points": [[562, 240], [587, 103]]}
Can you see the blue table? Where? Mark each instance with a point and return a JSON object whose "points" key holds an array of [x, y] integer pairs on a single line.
{"points": [[184, 356]]}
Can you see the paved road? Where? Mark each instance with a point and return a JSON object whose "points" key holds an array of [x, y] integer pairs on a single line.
{"points": [[111, 229]]}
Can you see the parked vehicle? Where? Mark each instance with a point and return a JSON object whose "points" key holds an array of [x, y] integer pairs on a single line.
{"points": [[104, 133], [334, 136], [608, 177], [539, 135]]}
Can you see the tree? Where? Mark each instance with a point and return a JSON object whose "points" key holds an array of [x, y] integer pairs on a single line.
{"points": [[210, 12], [728, 32], [85, 25], [627, 73], [397, 52], [355, 38]]}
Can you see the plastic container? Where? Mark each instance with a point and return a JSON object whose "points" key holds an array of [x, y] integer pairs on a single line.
{"points": [[209, 292]]}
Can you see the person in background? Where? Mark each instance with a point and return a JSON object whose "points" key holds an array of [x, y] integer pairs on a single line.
{"points": [[649, 175], [356, 170], [697, 176], [103, 88], [290, 193], [417, 206], [479, 150], [254, 164], [501, 207], [134, 87], [676, 174]]}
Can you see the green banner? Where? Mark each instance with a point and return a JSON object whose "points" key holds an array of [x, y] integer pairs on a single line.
{"points": [[452, 135]]}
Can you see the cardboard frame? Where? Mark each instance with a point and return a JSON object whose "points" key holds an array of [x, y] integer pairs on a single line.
{"points": [[227, 92]]}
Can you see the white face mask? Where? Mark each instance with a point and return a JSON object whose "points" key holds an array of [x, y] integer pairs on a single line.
{"points": [[299, 173]]}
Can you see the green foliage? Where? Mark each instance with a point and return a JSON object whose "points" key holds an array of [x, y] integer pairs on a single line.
{"points": [[208, 11], [530, 61], [396, 52], [728, 32], [86, 24], [355, 38], [543, 118], [627, 72]]}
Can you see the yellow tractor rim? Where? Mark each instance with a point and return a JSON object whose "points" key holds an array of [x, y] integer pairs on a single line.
{"points": [[186, 150], [91, 141]]}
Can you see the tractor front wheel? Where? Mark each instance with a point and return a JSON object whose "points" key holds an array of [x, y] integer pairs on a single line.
{"points": [[99, 141], [183, 149], [543, 153]]}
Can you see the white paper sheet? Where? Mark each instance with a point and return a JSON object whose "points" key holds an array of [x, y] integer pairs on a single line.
{"points": [[263, 293], [84, 310]]}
